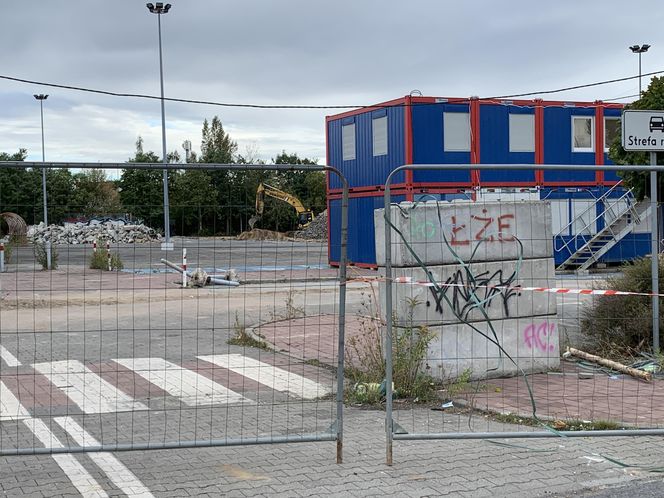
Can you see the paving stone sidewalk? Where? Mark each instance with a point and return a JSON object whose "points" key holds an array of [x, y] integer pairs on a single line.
{"points": [[469, 468]]}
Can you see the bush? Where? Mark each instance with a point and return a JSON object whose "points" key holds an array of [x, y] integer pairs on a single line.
{"points": [[42, 257], [620, 324], [366, 360], [99, 260]]}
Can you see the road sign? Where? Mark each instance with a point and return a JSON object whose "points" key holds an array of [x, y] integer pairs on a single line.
{"points": [[643, 130]]}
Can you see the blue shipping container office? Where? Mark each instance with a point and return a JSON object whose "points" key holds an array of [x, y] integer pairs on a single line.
{"points": [[367, 144]]}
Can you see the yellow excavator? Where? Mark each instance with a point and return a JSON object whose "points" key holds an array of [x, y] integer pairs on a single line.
{"points": [[304, 216]]}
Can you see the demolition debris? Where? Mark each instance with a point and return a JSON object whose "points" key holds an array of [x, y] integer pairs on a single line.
{"points": [[316, 230], [82, 233]]}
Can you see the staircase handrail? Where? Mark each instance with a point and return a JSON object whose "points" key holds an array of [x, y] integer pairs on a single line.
{"points": [[608, 207]]}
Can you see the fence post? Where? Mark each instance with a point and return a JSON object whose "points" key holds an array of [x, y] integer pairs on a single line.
{"points": [[654, 250], [2, 257], [389, 429], [184, 267], [94, 247], [108, 254]]}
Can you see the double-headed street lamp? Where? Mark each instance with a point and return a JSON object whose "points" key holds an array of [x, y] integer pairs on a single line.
{"points": [[639, 49], [159, 8], [41, 98]]}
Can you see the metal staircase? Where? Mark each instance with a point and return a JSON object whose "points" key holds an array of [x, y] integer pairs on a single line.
{"points": [[620, 214]]}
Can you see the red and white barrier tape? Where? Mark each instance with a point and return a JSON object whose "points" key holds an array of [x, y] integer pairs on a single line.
{"points": [[551, 290]]}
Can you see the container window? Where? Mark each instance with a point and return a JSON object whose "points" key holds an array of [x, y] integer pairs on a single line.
{"points": [[582, 134], [348, 141], [379, 128], [522, 133], [456, 132], [611, 131]]}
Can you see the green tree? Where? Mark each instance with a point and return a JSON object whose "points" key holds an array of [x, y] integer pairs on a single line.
{"points": [[94, 194], [16, 193], [194, 198], [141, 190], [218, 147]]}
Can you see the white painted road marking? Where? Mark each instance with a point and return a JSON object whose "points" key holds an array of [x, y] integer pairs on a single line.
{"points": [[116, 471], [10, 408], [192, 388], [10, 359], [87, 389], [269, 375], [76, 473]]}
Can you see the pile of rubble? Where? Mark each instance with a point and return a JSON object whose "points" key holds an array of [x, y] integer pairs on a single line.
{"points": [[317, 229], [83, 233]]}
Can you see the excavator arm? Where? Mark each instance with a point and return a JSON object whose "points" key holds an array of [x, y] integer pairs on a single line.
{"points": [[304, 216]]}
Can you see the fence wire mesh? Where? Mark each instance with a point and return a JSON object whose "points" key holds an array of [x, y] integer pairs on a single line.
{"points": [[503, 318], [113, 349]]}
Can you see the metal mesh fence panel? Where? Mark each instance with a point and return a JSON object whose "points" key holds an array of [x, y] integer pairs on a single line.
{"points": [[519, 314], [116, 348]]}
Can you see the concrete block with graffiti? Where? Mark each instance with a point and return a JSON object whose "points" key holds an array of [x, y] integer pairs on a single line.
{"points": [[458, 268]]}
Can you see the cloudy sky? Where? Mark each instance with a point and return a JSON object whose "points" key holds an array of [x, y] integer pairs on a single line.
{"points": [[345, 52]]}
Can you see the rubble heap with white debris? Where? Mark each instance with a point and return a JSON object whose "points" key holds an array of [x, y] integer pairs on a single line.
{"points": [[86, 233]]}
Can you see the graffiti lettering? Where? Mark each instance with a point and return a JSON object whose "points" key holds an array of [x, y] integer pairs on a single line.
{"points": [[455, 229], [492, 230], [478, 292], [539, 336], [424, 230], [503, 226]]}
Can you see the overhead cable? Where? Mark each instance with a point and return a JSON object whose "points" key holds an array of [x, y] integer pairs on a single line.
{"points": [[303, 106]]}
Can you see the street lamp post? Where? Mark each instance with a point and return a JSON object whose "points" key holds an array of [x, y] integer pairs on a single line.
{"points": [[41, 98], [159, 8], [639, 49], [654, 242]]}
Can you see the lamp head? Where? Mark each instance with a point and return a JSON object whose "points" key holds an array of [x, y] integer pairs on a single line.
{"points": [[158, 7]]}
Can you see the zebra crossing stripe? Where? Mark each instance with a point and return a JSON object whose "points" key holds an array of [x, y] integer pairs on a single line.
{"points": [[190, 387], [9, 358], [269, 375], [116, 471], [10, 408], [79, 477], [87, 389]]}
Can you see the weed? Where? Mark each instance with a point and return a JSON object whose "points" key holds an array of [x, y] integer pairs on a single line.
{"points": [[99, 260], [560, 425], [293, 311], [9, 250], [366, 359], [244, 339], [41, 255], [460, 385]]}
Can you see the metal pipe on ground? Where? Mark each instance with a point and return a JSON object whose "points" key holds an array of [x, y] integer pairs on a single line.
{"points": [[210, 280]]}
